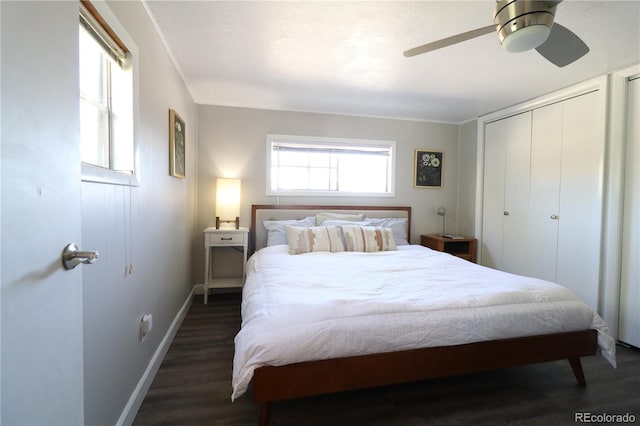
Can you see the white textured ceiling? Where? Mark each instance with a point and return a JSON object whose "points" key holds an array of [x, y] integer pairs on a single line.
{"points": [[346, 57]]}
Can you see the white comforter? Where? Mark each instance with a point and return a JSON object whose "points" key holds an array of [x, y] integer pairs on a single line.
{"points": [[328, 305]]}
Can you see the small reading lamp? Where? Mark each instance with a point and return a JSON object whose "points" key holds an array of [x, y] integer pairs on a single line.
{"points": [[227, 202]]}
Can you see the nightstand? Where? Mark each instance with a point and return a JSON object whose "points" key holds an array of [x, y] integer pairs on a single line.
{"points": [[461, 247], [224, 240]]}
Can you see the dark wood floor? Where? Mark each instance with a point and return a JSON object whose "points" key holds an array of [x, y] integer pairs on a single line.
{"points": [[193, 386]]}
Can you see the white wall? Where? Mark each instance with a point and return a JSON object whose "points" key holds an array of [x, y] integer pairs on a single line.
{"points": [[149, 227], [232, 143], [468, 135]]}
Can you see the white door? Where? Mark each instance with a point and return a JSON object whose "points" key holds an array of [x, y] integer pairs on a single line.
{"points": [[41, 303], [580, 213], [629, 329], [542, 232], [566, 200], [516, 194], [493, 193], [505, 194]]}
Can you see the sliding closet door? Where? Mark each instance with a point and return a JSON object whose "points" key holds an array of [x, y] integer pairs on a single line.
{"points": [[581, 186], [506, 192], [496, 134], [629, 326], [546, 150], [516, 195]]}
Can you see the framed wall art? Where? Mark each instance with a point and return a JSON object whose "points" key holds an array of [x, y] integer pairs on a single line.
{"points": [[177, 141], [427, 168]]}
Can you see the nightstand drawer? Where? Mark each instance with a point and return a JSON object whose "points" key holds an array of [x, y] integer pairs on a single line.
{"points": [[225, 238]]}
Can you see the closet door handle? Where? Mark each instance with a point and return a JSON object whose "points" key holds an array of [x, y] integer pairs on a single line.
{"points": [[506, 213], [554, 216], [72, 257]]}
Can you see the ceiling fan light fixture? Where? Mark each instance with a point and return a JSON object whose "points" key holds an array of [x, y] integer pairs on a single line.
{"points": [[523, 25], [526, 38]]}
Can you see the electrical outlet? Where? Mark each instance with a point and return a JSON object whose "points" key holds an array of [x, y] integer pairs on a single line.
{"points": [[146, 324]]}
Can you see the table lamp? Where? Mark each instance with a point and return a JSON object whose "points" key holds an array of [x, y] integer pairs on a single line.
{"points": [[227, 201]]}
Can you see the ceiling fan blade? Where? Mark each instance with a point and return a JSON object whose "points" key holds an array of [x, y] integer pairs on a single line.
{"points": [[449, 41], [562, 47]]}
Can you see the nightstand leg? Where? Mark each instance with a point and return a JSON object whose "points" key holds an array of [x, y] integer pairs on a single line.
{"points": [[207, 271]]}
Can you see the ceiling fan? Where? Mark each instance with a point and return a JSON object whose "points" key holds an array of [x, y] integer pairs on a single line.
{"points": [[523, 25]]}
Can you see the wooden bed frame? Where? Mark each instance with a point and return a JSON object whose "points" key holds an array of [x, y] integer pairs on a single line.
{"points": [[303, 379]]}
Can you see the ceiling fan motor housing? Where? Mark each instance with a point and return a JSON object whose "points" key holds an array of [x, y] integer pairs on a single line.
{"points": [[523, 25]]}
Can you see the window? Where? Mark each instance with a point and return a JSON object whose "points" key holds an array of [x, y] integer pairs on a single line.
{"points": [[318, 166], [106, 100]]}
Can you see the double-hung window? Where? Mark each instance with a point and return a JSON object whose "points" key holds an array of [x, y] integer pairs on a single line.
{"points": [[106, 101], [321, 166]]}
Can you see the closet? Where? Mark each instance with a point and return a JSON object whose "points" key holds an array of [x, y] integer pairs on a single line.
{"points": [[542, 195], [629, 324]]}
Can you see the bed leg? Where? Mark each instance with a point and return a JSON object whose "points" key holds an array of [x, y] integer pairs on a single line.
{"points": [[265, 412], [576, 366]]}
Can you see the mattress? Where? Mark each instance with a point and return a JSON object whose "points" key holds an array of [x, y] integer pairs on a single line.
{"points": [[322, 305]]}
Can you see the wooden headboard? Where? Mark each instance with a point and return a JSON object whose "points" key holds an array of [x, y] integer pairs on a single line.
{"points": [[262, 212]]}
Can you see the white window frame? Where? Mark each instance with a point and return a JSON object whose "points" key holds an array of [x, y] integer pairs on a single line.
{"points": [[96, 174], [330, 141]]}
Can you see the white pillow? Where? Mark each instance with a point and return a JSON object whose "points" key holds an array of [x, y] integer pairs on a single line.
{"points": [[368, 238], [314, 238], [277, 229], [321, 217], [397, 224]]}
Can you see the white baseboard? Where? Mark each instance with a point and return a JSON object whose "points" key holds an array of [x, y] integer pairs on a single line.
{"points": [[135, 401]]}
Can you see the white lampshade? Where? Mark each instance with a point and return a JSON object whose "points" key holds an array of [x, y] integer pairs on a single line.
{"points": [[227, 199], [526, 38]]}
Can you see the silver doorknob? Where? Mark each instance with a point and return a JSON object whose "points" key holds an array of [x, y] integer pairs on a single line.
{"points": [[554, 216], [505, 213], [72, 257]]}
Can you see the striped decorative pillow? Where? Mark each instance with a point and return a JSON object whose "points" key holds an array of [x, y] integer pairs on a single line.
{"points": [[315, 238], [368, 238]]}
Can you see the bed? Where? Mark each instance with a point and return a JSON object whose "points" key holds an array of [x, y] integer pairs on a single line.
{"points": [[407, 313]]}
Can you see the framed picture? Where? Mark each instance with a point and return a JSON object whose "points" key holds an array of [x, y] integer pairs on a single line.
{"points": [[427, 168], [177, 142]]}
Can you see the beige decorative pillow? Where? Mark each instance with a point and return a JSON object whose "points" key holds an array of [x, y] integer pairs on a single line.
{"points": [[368, 238], [351, 217], [315, 238]]}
